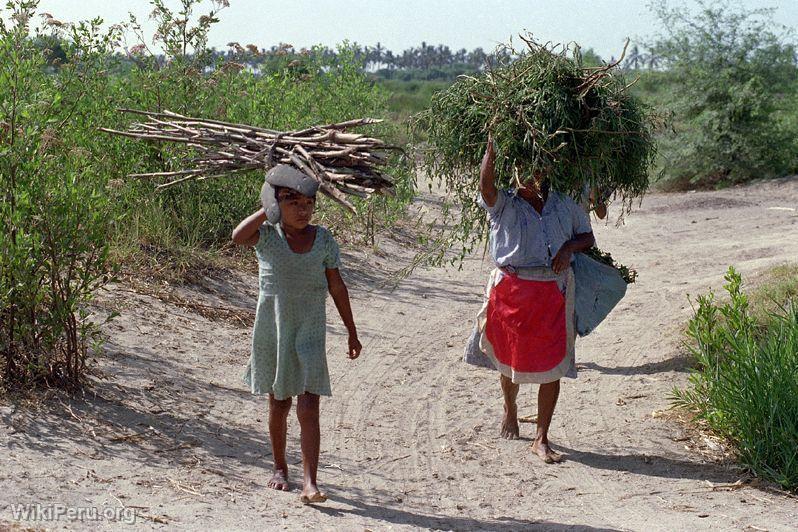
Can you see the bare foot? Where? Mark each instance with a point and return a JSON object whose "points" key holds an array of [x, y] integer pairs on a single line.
{"points": [[311, 494], [510, 424], [545, 452], [279, 480]]}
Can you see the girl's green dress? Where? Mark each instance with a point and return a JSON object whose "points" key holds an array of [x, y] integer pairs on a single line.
{"points": [[288, 342]]}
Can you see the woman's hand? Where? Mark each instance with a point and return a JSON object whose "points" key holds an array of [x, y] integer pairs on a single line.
{"points": [[563, 258], [487, 175], [490, 152], [354, 346], [580, 242]]}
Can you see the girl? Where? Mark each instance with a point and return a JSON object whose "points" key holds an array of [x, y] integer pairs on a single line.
{"points": [[298, 264]]}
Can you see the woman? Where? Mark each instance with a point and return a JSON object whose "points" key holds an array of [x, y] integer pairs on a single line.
{"points": [[526, 329]]}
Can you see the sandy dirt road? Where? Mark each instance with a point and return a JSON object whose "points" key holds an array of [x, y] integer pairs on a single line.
{"points": [[410, 438]]}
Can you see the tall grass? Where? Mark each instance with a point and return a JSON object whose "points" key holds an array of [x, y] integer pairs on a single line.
{"points": [[745, 383]]}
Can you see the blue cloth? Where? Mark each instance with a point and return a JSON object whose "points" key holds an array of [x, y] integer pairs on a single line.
{"points": [[598, 289], [520, 237]]}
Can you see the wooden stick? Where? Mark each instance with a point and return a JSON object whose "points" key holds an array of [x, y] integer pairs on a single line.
{"points": [[343, 162]]}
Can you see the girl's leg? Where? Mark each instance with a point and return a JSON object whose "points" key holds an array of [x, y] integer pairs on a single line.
{"points": [[278, 429], [510, 421], [307, 411], [547, 400]]}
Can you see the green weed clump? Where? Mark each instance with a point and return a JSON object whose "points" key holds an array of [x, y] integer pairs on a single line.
{"points": [[546, 112], [745, 383]]}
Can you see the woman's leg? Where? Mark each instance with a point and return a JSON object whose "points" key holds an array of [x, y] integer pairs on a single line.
{"points": [[547, 400], [278, 429], [307, 411], [510, 421]]}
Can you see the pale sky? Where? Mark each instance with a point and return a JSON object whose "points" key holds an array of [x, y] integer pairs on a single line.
{"points": [[400, 24]]}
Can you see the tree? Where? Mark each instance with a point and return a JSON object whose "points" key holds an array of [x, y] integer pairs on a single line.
{"points": [[731, 67], [652, 61], [591, 59], [634, 60]]}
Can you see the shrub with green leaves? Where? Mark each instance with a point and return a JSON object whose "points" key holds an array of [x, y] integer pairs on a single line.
{"points": [[745, 383], [733, 74], [54, 215]]}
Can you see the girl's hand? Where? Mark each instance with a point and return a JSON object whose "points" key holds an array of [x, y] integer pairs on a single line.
{"points": [[354, 347]]}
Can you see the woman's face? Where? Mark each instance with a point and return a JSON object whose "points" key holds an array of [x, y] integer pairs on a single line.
{"points": [[534, 182], [296, 210]]}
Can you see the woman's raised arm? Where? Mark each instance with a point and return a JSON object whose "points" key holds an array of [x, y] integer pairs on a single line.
{"points": [[487, 175]]}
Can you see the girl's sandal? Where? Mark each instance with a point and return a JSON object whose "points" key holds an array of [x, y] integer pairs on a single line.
{"points": [[315, 498]]}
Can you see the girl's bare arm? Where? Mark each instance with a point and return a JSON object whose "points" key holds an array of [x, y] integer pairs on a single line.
{"points": [[340, 295], [246, 234]]}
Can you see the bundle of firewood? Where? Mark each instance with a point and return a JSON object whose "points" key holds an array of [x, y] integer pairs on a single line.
{"points": [[343, 162]]}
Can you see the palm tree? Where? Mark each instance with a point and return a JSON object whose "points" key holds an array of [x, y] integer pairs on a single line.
{"points": [[378, 54], [423, 56], [652, 60], [634, 60], [476, 58], [444, 55], [390, 60], [407, 59]]}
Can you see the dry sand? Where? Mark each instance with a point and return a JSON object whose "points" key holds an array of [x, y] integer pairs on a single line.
{"points": [[410, 438]]}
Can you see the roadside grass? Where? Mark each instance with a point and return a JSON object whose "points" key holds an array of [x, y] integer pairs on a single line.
{"points": [[744, 384]]}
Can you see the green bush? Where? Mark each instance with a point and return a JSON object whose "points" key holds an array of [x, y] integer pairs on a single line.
{"points": [[745, 384], [730, 70], [54, 214]]}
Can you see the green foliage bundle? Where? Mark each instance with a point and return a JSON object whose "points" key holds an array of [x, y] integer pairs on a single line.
{"points": [[629, 274], [547, 113], [734, 75], [745, 385], [54, 214]]}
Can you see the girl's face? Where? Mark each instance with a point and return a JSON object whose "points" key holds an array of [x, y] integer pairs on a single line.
{"points": [[296, 210]]}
